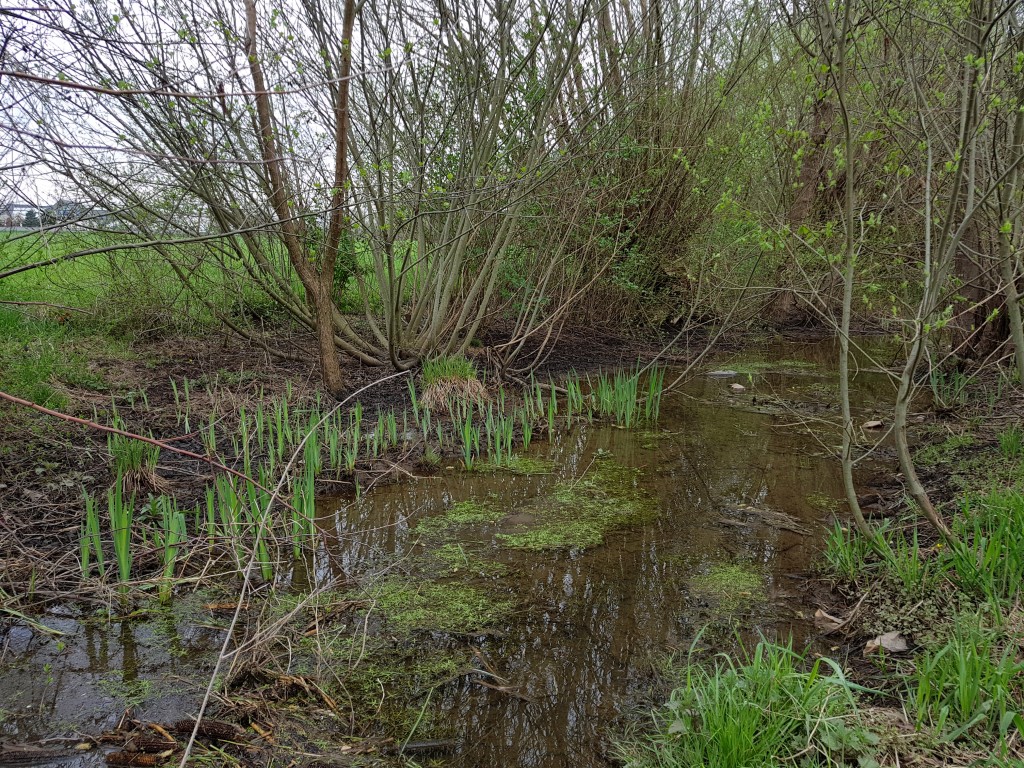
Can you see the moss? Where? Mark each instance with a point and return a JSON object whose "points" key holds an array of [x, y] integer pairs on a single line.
{"points": [[822, 502], [442, 607], [461, 514], [730, 585], [579, 513], [517, 465]]}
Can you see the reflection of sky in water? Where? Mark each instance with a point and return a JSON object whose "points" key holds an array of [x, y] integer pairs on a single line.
{"points": [[594, 623]]}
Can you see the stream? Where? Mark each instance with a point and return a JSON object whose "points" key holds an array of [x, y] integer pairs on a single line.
{"points": [[707, 522]]}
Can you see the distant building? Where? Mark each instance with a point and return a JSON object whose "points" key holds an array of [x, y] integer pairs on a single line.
{"points": [[65, 212], [13, 214]]}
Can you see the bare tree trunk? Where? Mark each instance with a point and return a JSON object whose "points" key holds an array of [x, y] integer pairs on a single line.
{"points": [[813, 166], [839, 39], [1010, 236], [319, 286]]}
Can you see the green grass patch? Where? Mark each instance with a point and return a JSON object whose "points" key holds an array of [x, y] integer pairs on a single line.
{"points": [[847, 554], [971, 682], [448, 368], [775, 708], [1011, 442], [38, 355], [958, 601], [989, 560]]}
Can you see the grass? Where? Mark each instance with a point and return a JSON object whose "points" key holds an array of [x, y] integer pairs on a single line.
{"points": [[973, 681], [37, 355], [903, 557], [958, 603], [450, 378], [134, 461], [448, 368], [774, 708], [1011, 442], [847, 553], [989, 560]]}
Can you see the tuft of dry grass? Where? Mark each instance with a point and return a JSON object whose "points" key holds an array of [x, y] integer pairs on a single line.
{"points": [[441, 392]]}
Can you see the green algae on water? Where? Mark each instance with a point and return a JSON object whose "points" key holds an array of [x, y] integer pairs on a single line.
{"points": [[458, 558], [730, 585], [516, 465], [463, 513], [437, 606], [578, 514]]}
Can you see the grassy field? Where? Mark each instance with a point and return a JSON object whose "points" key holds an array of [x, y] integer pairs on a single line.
{"points": [[54, 319]]}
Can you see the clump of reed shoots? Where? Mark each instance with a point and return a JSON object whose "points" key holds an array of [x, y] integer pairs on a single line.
{"points": [[121, 513], [449, 378], [135, 463], [89, 543], [171, 537]]}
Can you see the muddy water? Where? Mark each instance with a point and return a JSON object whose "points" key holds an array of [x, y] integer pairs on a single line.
{"points": [[596, 620], [735, 479]]}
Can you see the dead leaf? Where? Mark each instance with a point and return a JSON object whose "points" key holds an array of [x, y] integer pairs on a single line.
{"points": [[266, 734], [737, 388], [874, 424], [826, 621], [892, 642]]}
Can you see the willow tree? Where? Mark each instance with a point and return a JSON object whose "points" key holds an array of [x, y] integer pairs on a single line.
{"points": [[311, 148]]}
